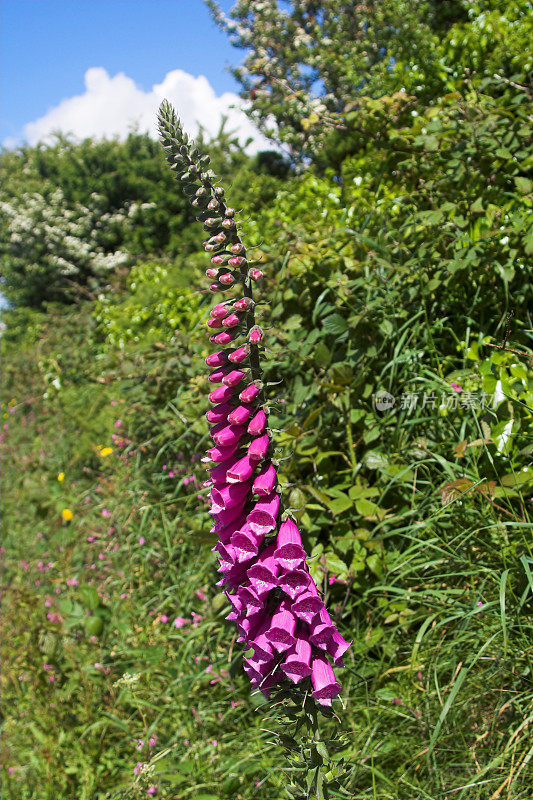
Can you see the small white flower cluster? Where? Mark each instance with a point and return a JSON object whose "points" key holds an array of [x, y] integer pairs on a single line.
{"points": [[128, 679]]}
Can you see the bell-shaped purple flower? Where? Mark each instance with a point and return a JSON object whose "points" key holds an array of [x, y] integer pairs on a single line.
{"points": [[257, 424], [290, 552], [323, 679], [239, 415], [265, 480], [263, 516], [282, 628], [297, 663], [241, 470], [258, 447], [232, 495]]}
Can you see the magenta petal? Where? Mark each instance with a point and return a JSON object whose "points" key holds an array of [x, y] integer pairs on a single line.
{"points": [[224, 337], [230, 496], [250, 393], [217, 359], [233, 378], [265, 480], [227, 435], [242, 470], [262, 518], [225, 524], [323, 679], [219, 413], [246, 543], [337, 646], [240, 354], [239, 415], [290, 552], [258, 447], [298, 661], [218, 473], [263, 574], [282, 627], [221, 454], [221, 395], [294, 583], [321, 629], [307, 605], [257, 423]]}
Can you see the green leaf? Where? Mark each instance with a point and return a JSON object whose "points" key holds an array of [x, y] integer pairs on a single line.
{"points": [[335, 325], [524, 185]]}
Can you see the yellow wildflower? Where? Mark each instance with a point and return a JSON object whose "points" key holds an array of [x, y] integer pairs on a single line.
{"points": [[61, 477], [106, 451], [67, 514]]}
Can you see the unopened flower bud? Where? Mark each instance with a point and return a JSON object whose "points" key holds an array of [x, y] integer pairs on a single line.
{"points": [[239, 355], [201, 192], [220, 310], [211, 273], [255, 274], [231, 321], [255, 335], [250, 393], [227, 278], [243, 304], [213, 205], [230, 212], [218, 260], [215, 287], [219, 238], [237, 248], [228, 223], [219, 192], [237, 261], [212, 222], [224, 337]]}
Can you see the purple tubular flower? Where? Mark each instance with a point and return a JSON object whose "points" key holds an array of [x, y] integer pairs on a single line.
{"points": [[282, 627], [337, 646], [263, 574], [224, 337], [262, 518], [239, 415], [238, 355], [226, 435], [323, 679], [275, 603], [228, 497], [249, 394], [221, 395], [217, 359], [231, 321], [298, 661], [220, 413], [218, 473], [258, 447], [257, 424], [242, 470], [290, 552], [233, 378], [265, 480], [321, 629], [307, 605], [220, 454], [295, 582], [245, 541]]}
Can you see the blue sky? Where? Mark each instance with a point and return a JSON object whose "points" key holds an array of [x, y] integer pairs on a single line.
{"points": [[47, 48]]}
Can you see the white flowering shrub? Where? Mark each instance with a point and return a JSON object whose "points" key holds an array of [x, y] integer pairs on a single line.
{"points": [[54, 252]]}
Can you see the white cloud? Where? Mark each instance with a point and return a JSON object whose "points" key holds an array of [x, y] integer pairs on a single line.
{"points": [[111, 105]]}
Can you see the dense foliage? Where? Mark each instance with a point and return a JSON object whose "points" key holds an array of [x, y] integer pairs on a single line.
{"points": [[398, 262]]}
